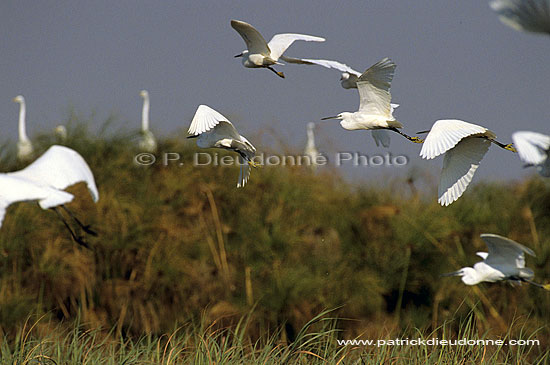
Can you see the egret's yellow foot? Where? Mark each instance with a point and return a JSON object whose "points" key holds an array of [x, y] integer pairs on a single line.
{"points": [[280, 74], [416, 140], [546, 286], [254, 164], [510, 147]]}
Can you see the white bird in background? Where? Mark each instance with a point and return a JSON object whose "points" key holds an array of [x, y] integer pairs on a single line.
{"points": [[24, 145], [261, 54], [213, 130], [524, 15], [375, 110], [464, 145], [44, 180], [504, 261], [534, 149], [60, 132], [147, 142], [310, 149], [349, 77]]}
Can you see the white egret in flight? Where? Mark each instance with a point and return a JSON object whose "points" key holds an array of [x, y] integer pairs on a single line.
{"points": [[464, 145], [375, 110], [44, 180], [504, 261], [260, 54], [147, 142], [311, 150], [349, 77], [213, 130], [534, 149], [524, 15], [24, 145]]}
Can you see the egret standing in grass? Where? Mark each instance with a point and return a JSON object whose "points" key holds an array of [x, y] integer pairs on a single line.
{"points": [[147, 141], [534, 149], [260, 54], [524, 15], [375, 110], [464, 145], [24, 145], [504, 261], [213, 130], [44, 180], [311, 150], [60, 132]]}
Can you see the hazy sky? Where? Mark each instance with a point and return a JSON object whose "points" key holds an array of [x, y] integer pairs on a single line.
{"points": [[454, 60]]}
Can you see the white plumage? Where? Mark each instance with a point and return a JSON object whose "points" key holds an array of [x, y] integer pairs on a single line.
{"points": [[147, 142], [375, 110], [524, 15], [464, 145], [25, 149], [259, 53], [349, 76], [311, 150], [505, 260], [534, 149], [45, 180], [213, 130]]}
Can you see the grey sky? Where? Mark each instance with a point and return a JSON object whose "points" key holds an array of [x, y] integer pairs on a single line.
{"points": [[454, 60]]}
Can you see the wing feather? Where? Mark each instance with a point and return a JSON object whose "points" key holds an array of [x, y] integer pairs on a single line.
{"points": [[59, 167], [333, 64], [524, 15], [374, 88], [280, 42], [446, 133], [504, 251], [205, 119], [459, 166], [532, 147], [255, 42]]}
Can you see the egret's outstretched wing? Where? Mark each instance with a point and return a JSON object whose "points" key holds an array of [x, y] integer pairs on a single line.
{"points": [[504, 251], [333, 64], [446, 133], [253, 39], [244, 173], [393, 107], [524, 15], [532, 147], [459, 165], [374, 88], [381, 137], [15, 189], [59, 167], [280, 42], [205, 119]]}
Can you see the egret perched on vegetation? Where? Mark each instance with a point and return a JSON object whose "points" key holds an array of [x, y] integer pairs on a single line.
{"points": [[524, 15], [464, 145], [534, 149], [504, 261], [45, 179], [263, 54], [213, 130], [147, 142], [311, 150], [375, 111], [24, 145], [349, 77]]}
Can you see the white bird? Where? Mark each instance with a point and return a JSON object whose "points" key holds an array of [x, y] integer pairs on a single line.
{"points": [[464, 145], [504, 261], [24, 145], [534, 149], [375, 110], [311, 150], [45, 179], [349, 76], [260, 54], [60, 132], [147, 142], [524, 15], [213, 130]]}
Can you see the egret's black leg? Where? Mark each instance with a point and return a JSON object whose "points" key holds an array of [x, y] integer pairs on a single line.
{"points": [[77, 239], [85, 227], [278, 73], [412, 139]]}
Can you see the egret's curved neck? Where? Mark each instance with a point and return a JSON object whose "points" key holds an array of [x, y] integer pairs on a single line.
{"points": [[145, 114], [310, 137], [22, 127]]}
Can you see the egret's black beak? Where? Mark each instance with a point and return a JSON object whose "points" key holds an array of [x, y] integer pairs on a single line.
{"points": [[239, 55], [325, 118], [193, 136], [423, 132], [454, 273]]}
